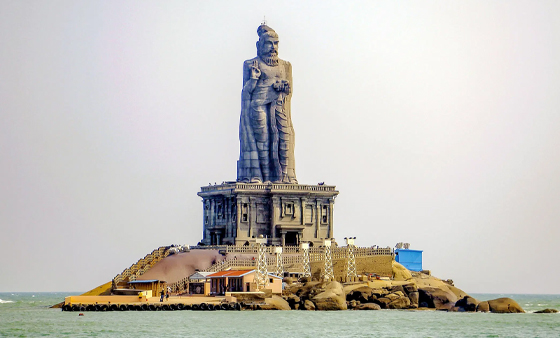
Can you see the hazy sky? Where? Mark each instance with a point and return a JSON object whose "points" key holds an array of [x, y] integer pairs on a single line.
{"points": [[436, 120]]}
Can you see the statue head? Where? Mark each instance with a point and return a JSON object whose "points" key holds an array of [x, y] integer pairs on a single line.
{"points": [[267, 46]]}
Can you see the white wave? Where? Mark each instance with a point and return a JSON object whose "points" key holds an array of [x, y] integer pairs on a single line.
{"points": [[5, 301]]}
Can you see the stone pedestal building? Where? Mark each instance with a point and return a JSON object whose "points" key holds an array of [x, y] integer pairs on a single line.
{"points": [[237, 213], [285, 212]]}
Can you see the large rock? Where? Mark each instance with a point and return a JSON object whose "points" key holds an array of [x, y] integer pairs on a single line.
{"points": [[400, 272], [308, 305], [332, 298], [547, 311], [438, 298], [483, 307], [466, 304], [504, 305], [308, 290], [275, 303], [383, 302], [293, 300], [394, 296], [414, 297], [400, 303], [362, 294], [368, 306]]}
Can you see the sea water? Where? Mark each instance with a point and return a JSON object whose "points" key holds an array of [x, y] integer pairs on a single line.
{"points": [[29, 315]]}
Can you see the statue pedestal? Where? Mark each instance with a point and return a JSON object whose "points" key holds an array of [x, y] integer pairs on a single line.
{"points": [[287, 214]]}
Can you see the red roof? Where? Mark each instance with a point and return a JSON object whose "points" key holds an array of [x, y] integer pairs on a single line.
{"points": [[229, 273]]}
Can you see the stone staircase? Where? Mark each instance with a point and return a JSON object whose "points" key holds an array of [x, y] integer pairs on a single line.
{"points": [[141, 266]]}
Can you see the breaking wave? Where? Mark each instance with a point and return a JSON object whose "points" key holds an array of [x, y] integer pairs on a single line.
{"points": [[5, 301]]}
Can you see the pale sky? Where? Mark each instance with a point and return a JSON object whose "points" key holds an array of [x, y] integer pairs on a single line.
{"points": [[436, 120]]}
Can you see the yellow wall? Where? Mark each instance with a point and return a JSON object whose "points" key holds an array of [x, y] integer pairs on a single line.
{"points": [[102, 299], [381, 265]]}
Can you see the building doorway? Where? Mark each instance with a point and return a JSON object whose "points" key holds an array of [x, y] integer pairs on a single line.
{"points": [[292, 238]]}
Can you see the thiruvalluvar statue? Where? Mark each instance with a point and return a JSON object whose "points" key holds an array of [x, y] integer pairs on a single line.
{"points": [[266, 133]]}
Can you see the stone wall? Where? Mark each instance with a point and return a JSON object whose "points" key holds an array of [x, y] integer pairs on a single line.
{"points": [[381, 265]]}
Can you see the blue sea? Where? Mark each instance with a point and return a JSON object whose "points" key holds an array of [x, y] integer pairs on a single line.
{"points": [[28, 315]]}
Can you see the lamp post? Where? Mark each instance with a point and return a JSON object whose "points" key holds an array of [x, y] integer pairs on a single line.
{"points": [[279, 263], [305, 263], [350, 259], [328, 273], [261, 278]]}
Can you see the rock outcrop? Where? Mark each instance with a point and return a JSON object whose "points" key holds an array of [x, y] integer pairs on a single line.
{"points": [[275, 303], [408, 290], [466, 304], [547, 311], [500, 305], [368, 306], [333, 298]]}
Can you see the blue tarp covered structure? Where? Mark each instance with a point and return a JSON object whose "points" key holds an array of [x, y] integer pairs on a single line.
{"points": [[410, 259]]}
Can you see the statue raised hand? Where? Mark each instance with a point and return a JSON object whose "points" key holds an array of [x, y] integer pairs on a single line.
{"points": [[255, 71]]}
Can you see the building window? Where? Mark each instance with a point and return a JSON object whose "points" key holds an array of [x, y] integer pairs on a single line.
{"points": [[325, 214], [220, 211], [244, 212], [289, 209]]}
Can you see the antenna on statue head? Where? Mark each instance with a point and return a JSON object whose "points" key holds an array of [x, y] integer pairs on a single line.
{"points": [[263, 23]]}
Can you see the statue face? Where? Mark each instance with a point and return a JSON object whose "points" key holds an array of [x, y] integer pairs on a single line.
{"points": [[269, 47]]}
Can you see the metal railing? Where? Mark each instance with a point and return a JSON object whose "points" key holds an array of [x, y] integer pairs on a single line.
{"points": [[142, 265], [292, 258]]}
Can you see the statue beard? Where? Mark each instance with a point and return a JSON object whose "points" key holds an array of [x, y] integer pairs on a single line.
{"points": [[270, 59]]}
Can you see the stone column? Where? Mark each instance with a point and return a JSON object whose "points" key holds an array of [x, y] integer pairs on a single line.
{"points": [[204, 226], [227, 217], [275, 203], [237, 217], [250, 217], [212, 214], [283, 238], [303, 200], [331, 205], [317, 219]]}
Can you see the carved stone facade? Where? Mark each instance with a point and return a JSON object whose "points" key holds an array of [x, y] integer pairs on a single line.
{"points": [[237, 213]]}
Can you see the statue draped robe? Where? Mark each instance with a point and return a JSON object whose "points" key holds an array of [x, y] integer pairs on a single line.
{"points": [[266, 133]]}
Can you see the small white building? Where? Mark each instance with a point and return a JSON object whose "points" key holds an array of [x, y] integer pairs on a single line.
{"points": [[240, 281]]}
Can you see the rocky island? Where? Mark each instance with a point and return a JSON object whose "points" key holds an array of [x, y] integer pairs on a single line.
{"points": [[268, 241]]}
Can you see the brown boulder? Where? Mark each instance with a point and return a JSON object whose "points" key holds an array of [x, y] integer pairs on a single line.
{"points": [[401, 303], [438, 298], [483, 307], [394, 296], [275, 303], [383, 302], [467, 304], [333, 298], [308, 305], [378, 293], [368, 306], [293, 300], [414, 296], [400, 272], [504, 305], [410, 288], [362, 294], [547, 311], [308, 290]]}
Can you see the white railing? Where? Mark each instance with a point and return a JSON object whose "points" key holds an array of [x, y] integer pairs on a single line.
{"points": [[267, 187]]}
